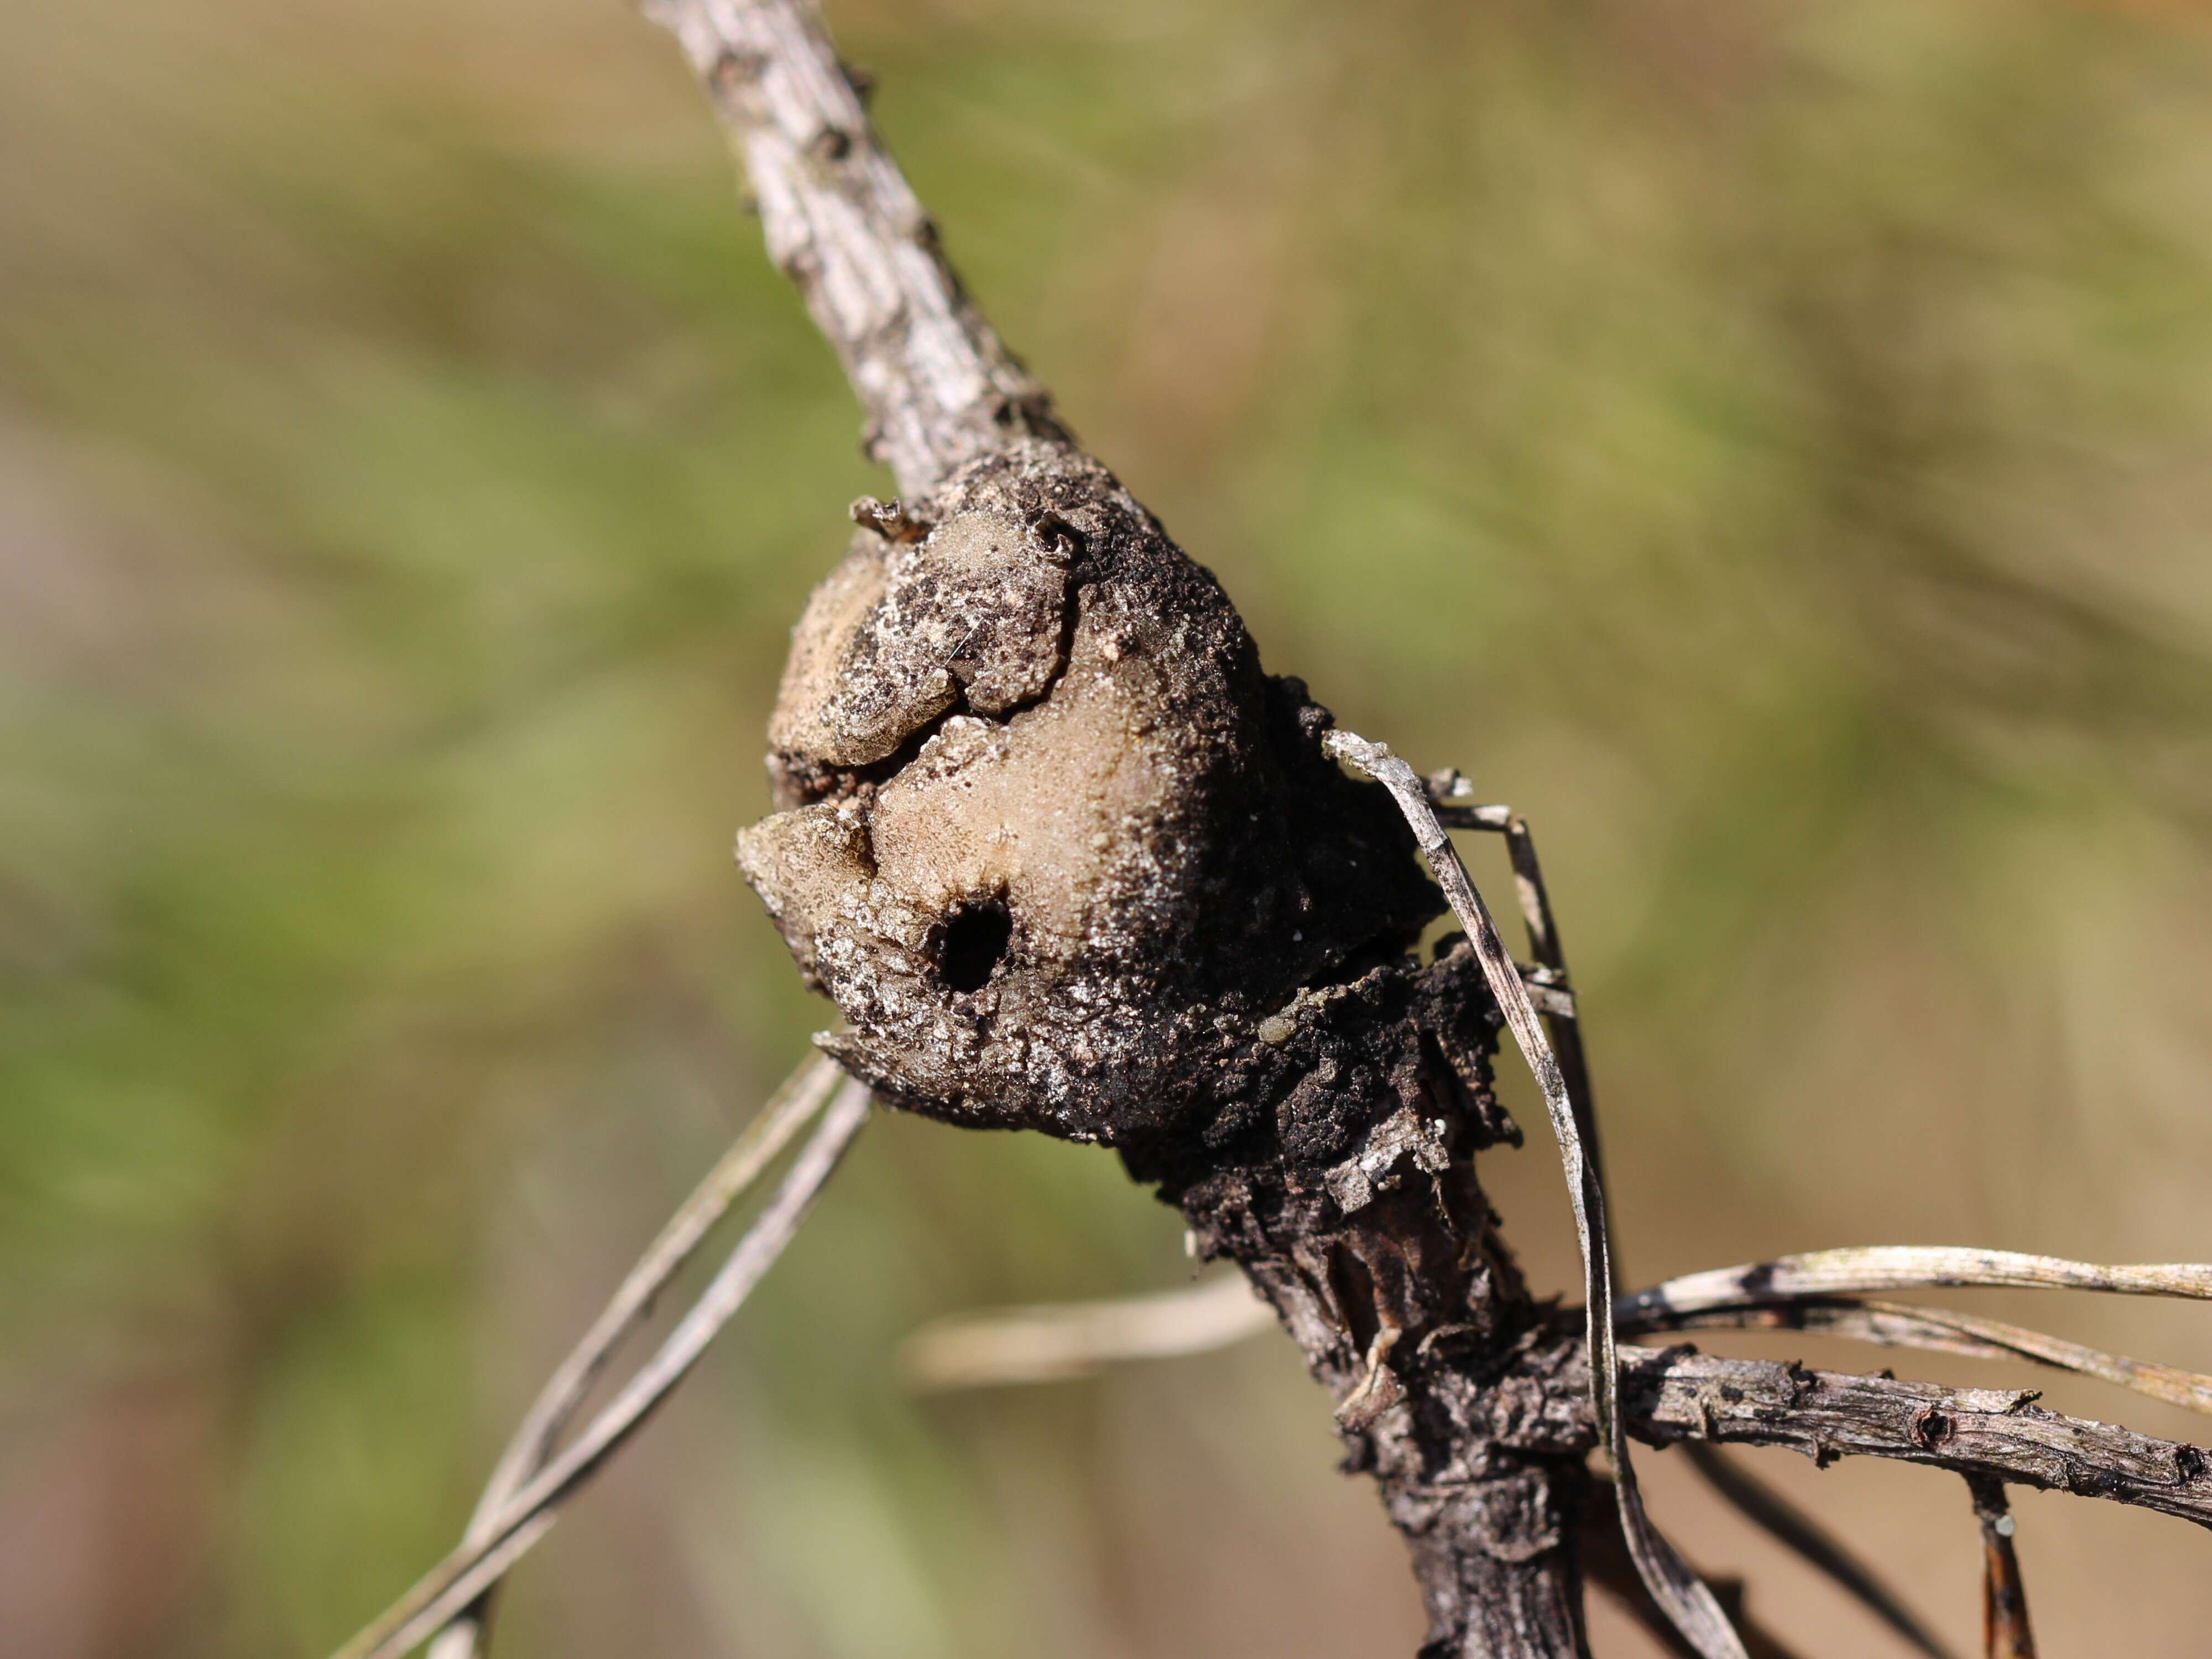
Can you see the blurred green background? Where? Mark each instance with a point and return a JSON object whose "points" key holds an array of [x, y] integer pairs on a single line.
{"points": [[1769, 445]]}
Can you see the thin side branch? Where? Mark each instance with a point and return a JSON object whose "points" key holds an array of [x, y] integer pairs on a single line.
{"points": [[938, 386], [2005, 1631], [463, 1576], [1679, 1395]]}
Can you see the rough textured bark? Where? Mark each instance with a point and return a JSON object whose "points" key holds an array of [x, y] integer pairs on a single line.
{"points": [[1455, 1391], [840, 221], [1681, 1395]]}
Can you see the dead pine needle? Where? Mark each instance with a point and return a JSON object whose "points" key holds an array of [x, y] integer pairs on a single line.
{"points": [[798, 1098], [463, 1576]]}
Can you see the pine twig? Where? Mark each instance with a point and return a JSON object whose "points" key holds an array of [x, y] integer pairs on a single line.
{"points": [[1679, 1395], [939, 389], [937, 383]]}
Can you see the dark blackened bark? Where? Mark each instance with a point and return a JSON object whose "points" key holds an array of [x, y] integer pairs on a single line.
{"points": [[1455, 1391]]}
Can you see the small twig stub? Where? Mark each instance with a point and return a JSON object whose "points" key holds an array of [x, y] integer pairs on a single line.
{"points": [[2005, 1631]]}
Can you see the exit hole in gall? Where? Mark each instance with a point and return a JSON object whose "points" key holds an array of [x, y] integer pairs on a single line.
{"points": [[976, 938]]}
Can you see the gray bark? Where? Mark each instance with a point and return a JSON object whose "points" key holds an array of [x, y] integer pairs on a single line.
{"points": [[1681, 1395], [938, 386]]}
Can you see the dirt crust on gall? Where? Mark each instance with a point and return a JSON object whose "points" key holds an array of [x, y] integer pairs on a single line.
{"points": [[1063, 855]]}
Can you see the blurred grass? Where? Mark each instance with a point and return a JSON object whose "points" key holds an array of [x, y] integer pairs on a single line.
{"points": [[1772, 446]]}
